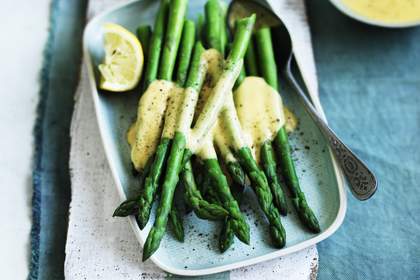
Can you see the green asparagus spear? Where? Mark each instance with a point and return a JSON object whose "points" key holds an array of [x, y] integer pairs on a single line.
{"points": [[251, 60], [172, 38], [213, 24], [156, 44], [176, 224], [306, 215], [211, 108], [227, 233], [268, 67], [269, 71], [240, 78], [270, 169], [184, 57], [200, 27], [127, 208], [239, 225], [236, 172], [223, 27], [242, 34], [242, 74], [201, 207], [265, 198], [210, 194], [144, 33], [166, 198], [148, 193], [205, 186], [226, 236]]}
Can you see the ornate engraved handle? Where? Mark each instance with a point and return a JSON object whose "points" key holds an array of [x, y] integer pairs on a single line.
{"points": [[361, 180]]}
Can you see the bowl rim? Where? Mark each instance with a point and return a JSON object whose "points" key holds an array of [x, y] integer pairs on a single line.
{"points": [[342, 196], [343, 8]]}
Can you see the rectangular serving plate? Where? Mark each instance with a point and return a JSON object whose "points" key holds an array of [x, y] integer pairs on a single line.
{"points": [[320, 178]]}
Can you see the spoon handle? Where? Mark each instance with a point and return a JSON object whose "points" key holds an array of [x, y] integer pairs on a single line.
{"points": [[361, 180]]}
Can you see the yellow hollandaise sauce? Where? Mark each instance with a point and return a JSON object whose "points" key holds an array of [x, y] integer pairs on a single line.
{"points": [[159, 102], [390, 11], [253, 113], [159, 109], [260, 111]]}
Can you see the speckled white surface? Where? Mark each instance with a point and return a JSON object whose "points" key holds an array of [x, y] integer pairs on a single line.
{"points": [[100, 247]]}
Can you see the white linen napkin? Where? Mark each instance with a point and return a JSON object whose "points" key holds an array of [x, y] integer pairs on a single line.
{"points": [[101, 247]]}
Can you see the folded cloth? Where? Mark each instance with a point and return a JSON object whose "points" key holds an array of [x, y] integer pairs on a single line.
{"points": [[51, 180], [102, 247]]}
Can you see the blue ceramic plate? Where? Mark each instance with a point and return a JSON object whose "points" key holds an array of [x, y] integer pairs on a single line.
{"points": [[198, 255]]}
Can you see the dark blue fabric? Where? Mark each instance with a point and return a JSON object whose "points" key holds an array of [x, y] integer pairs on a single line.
{"points": [[51, 180], [370, 88]]}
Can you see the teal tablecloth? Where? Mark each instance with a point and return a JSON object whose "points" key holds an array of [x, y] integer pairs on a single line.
{"points": [[370, 88], [51, 179]]}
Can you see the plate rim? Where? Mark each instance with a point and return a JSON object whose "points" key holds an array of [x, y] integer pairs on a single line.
{"points": [[87, 60]]}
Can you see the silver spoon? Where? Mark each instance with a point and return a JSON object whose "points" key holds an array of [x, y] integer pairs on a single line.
{"points": [[361, 180]]}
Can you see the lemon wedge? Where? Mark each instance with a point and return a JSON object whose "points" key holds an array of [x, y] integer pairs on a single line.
{"points": [[123, 63]]}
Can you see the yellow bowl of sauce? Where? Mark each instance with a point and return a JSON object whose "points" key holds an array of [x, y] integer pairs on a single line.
{"points": [[386, 13]]}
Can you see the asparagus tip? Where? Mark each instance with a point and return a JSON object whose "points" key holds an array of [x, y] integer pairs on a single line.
{"points": [[145, 257], [125, 209], [278, 236], [283, 207], [142, 221], [149, 249], [306, 215], [314, 225], [250, 19], [244, 235]]}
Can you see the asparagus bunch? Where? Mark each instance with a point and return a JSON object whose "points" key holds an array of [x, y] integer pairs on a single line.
{"points": [[268, 70], [216, 201], [184, 58]]}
